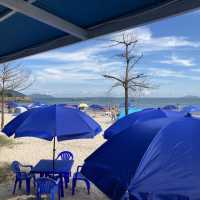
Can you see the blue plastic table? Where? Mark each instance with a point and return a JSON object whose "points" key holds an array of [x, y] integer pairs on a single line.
{"points": [[46, 166]]}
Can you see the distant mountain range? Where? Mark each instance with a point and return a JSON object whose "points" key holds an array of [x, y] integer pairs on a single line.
{"points": [[41, 96], [191, 97]]}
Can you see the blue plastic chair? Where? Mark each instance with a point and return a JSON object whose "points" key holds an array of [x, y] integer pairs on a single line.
{"points": [[47, 186], [21, 176], [78, 176], [65, 155]]}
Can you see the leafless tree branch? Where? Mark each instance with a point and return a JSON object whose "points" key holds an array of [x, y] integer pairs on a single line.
{"points": [[113, 77], [131, 80], [12, 77]]}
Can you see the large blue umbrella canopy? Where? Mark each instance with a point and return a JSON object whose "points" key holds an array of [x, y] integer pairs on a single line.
{"points": [[191, 109], [155, 159], [136, 117], [52, 122], [113, 165], [170, 167]]}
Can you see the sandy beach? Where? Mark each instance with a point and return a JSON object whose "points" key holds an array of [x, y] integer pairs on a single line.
{"points": [[31, 150]]}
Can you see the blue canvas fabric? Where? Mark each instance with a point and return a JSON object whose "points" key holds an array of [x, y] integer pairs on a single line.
{"points": [[12, 126], [157, 160], [112, 166], [170, 166], [144, 115], [53, 121]]}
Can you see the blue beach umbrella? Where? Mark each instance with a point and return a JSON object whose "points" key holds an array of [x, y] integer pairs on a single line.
{"points": [[191, 109], [36, 105], [155, 159], [97, 107], [130, 111], [53, 122], [136, 117], [12, 104], [71, 106], [170, 107]]}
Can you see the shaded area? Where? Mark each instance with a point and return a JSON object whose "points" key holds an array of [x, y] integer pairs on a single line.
{"points": [[4, 141], [112, 166], [6, 174]]}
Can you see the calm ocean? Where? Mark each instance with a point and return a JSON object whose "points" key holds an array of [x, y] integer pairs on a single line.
{"points": [[139, 102]]}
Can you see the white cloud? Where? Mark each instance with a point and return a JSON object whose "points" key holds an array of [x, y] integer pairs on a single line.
{"points": [[161, 72], [61, 75], [141, 34], [168, 73], [196, 70], [84, 65], [87, 68], [146, 92], [174, 60], [80, 55], [84, 71], [60, 56], [148, 43]]}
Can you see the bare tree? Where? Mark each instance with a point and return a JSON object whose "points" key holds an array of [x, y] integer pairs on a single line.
{"points": [[12, 77], [129, 80]]}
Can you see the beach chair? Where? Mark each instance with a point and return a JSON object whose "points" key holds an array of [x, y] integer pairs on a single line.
{"points": [[78, 176], [21, 175], [65, 155], [47, 186]]}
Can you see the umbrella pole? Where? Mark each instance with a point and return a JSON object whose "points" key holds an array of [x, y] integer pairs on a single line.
{"points": [[54, 152]]}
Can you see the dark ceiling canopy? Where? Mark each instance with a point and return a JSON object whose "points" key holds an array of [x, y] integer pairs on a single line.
{"points": [[28, 27]]}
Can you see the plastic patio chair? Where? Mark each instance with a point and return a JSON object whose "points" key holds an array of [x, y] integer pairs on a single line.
{"points": [[47, 186], [78, 176], [65, 155], [21, 176]]}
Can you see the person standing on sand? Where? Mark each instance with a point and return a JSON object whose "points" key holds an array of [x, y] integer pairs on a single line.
{"points": [[113, 114], [116, 111]]}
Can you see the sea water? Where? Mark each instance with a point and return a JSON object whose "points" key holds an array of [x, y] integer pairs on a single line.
{"points": [[137, 103]]}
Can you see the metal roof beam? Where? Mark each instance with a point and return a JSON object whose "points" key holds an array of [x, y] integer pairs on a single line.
{"points": [[43, 16], [10, 13]]}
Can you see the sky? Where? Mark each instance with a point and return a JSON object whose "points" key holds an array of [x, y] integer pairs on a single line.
{"points": [[171, 59]]}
